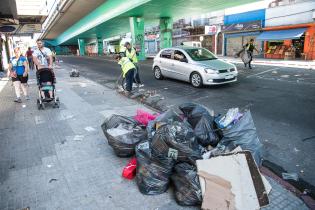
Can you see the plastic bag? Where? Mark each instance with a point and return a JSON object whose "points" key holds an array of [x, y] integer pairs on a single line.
{"points": [[153, 175], [164, 118], [193, 112], [144, 117], [187, 187], [243, 134], [123, 134], [176, 140], [202, 123], [129, 171], [205, 132], [245, 57]]}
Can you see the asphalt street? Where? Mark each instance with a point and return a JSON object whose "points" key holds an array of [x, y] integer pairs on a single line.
{"points": [[282, 103]]}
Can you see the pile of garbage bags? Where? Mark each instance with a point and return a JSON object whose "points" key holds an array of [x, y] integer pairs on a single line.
{"points": [[167, 145]]}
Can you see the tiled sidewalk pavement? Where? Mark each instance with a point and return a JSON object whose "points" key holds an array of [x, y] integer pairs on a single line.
{"points": [[59, 158]]}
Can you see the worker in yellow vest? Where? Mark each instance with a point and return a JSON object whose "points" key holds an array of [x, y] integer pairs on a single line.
{"points": [[132, 53], [128, 69]]}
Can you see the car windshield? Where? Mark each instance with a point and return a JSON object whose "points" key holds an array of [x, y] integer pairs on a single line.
{"points": [[200, 54]]}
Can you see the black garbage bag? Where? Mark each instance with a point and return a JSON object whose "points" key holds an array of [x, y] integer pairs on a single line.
{"points": [[123, 134], [243, 134], [153, 175], [176, 140], [186, 185], [164, 118], [205, 132], [193, 112], [202, 123]]}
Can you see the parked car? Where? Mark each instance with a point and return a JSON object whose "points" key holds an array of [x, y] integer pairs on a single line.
{"points": [[193, 64]]}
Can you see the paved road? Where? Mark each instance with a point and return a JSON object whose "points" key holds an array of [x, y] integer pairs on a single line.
{"points": [[283, 104]]}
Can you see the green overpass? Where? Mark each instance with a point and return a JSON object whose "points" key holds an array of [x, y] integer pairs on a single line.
{"points": [[115, 17]]}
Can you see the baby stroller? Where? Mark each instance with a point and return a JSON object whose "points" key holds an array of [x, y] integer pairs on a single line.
{"points": [[46, 83]]}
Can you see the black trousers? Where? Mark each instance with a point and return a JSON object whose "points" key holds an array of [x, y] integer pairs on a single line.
{"points": [[129, 79], [137, 77]]}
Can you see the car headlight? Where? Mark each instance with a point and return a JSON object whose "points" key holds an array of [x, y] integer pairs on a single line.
{"points": [[211, 71]]}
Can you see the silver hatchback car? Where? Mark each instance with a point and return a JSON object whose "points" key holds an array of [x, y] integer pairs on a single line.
{"points": [[195, 65]]}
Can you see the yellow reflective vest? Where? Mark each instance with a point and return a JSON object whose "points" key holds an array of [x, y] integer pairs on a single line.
{"points": [[126, 65], [132, 55]]}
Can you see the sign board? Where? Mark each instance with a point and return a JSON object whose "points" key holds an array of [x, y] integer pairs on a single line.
{"points": [[31, 28], [210, 30], [248, 26]]}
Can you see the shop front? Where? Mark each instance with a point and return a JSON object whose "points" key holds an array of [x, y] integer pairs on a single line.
{"points": [[238, 34], [294, 42]]}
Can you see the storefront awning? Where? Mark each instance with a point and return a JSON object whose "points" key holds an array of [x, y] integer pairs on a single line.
{"points": [[282, 34]]}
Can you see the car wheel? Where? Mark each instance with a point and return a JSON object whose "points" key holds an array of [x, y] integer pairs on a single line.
{"points": [[196, 80], [157, 73]]}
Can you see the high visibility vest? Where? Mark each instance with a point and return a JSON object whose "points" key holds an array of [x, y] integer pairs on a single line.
{"points": [[126, 65], [132, 55]]}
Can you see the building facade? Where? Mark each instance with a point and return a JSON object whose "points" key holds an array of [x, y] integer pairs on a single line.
{"points": [[239, 28], [289, 31]]}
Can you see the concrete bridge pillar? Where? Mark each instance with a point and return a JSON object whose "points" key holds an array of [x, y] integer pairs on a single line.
{"points": [[166, 28], [137, 33], [81, 43]]}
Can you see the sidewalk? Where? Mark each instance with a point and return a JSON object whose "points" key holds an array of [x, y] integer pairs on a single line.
{"points": [[274, 62], [60, 159]]}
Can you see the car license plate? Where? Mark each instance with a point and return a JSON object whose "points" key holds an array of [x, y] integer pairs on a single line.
{"points": [[229, 77]]}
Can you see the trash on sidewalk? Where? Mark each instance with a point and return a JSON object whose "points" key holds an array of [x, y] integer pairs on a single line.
{"points": [[153, 176], [74, 73], [162, 119], [202, 122], [176, 140], [242, 172], [177, 143], [240, 132], [186, 184], [144, 117], [129, 171], [123, 134], [218, 192], [290, 176]]}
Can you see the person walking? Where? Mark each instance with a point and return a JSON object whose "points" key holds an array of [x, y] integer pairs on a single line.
{"points": [[128, 69], [249, 49], [18, 71], [132, 53], [42, 56], [29, 55]]}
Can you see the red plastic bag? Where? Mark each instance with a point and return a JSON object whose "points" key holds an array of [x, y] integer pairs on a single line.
{"points": [[129, 171], [144, 117]]}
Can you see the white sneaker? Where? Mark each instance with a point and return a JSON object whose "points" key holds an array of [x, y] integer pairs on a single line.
{"points": [[141, 85]]}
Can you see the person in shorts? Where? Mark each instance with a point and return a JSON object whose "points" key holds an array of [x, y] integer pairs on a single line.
{"points": [[18, 71]]}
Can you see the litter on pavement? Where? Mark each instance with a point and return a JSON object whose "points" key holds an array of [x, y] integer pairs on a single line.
{"points": [[210, 160]]}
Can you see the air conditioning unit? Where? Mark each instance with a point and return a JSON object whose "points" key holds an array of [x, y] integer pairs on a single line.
{"points": [[8, 28]]}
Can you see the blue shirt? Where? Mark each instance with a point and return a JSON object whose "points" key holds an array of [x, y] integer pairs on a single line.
{"points": [[18, 64]]}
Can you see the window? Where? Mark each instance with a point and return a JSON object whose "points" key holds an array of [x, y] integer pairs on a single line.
{"points": [[200, 54], [166, 54], [179, 56]]}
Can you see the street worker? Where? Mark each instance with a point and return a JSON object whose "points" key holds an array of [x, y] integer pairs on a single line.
{"points": [[18, 71], [249, 48], [128, 69], [132, 53]]}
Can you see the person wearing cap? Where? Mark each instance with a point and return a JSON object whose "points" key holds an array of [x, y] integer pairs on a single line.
{"points": [[132, 53], [18, 71], [128, 69]]}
